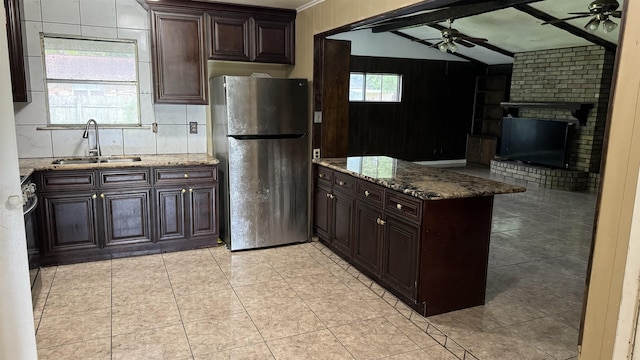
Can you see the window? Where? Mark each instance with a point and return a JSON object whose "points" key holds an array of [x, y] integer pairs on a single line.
{"points": [[91, 79], [375, 87]]}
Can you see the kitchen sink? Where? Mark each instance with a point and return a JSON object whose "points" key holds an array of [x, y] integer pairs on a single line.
{"points": [[96, 160]]}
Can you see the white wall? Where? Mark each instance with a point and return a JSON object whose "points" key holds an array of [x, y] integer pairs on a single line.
{"points": [[17, 334], [121, 19]]}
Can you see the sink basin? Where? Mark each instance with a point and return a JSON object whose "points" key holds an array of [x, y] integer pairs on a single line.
{"points": [[96, 160]]}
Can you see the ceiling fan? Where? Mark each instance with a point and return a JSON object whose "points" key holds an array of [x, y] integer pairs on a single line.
{"points": [[601, 10], [450, 37]]}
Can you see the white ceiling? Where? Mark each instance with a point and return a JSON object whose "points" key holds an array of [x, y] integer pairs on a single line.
{"points": [[508, 29]]}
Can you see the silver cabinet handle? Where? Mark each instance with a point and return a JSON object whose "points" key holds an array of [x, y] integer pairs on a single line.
{"points": [[321, 176], [328, 195], [399, 206], [102, 195], [366, 193], [382, 222], [183, 191], [186, 176], [94, 196], [342, 183], [331, 197], [190, 190]]}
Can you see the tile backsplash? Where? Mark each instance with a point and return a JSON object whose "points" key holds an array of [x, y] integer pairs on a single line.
{"points": [[121, 19]]}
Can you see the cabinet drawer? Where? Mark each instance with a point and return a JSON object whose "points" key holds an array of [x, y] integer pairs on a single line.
{"points": [[67, 180], [344, 183], [186, 175], [370, 193], [324, 175], [125, 177], [404, 206]]}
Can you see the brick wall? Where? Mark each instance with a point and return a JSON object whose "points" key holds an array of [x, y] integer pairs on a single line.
{"points": [[578, 74]]}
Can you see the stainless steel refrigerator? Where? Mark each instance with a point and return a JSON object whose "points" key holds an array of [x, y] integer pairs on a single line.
{"points": [[260, 135]]}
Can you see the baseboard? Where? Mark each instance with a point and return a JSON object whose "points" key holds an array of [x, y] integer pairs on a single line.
{"points": [[443, 163]]}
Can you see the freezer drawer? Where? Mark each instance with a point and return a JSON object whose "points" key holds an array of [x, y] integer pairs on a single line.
{"points": [[268, 192]]}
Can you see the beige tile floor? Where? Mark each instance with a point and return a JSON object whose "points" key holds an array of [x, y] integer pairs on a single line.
{"points": [[304, 302]]}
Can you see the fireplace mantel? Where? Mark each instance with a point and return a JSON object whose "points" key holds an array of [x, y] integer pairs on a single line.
{"points": [[578, 110]]}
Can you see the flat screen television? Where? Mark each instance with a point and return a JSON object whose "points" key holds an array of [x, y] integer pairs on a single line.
{"points": [[535, 141]]}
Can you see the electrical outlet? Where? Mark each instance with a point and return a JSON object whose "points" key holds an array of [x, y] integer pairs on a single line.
{"points": [[317, 117], [316, 153], [193, 127]]}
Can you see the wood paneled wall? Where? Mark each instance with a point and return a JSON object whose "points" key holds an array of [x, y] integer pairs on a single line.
{"points": [[431, 122]]}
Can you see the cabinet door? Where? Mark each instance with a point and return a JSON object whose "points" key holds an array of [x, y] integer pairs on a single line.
{"points": [[366, 250], [399, 255], [342, 220], [473, 149], [322, 213], [202, 219], [229, 38], [170, 213], [70, 222], [179, 59], [126, 217], [487, 150], [273, 39]]}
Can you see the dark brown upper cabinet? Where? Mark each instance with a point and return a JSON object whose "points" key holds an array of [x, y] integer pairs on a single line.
{"points": [[179, 56], [244, 37], [184, 34], [230, 37], [274, 40], [17, 64]]}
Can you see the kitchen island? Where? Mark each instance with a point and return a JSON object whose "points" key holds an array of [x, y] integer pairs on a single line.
{"points": [[420, 232]]}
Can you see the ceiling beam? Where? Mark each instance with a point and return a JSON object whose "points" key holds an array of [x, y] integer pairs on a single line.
{"points": [[566, 27], [423, 42], [453, 12], [481, 44]]}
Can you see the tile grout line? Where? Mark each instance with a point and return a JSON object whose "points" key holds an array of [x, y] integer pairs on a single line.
{"points": [[186, 335], [465, 351]]}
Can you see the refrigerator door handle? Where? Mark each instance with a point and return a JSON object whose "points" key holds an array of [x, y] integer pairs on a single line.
{"points": [[269, 137]]}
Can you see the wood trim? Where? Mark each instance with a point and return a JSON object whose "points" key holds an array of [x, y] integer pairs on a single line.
{"points": [[452, 12], [19, 68], [616, 198]]}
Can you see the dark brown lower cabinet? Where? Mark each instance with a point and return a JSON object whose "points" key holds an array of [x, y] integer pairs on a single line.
{"points": [[71, 222], [186, 212], [367, 237], [431, 254], [101, 214], [399, 255], [126, 216], [334, 218]]}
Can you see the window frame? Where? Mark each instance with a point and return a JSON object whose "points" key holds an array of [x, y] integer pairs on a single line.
{"points": [[364, 74], [46, 81]]}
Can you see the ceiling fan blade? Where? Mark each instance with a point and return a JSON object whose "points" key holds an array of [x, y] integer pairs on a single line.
{"points": [[436, 44], [581, 13], [426, 39], [464, 43], [473, 39], [565, 19], [617, 14]]}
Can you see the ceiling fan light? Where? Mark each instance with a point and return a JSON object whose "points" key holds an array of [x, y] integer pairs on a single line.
{"points": [[453, 47], [443, 46], [592, 25], [608, 25]]}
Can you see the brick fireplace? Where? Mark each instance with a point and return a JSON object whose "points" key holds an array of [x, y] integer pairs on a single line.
{"points": [[571, 75]]}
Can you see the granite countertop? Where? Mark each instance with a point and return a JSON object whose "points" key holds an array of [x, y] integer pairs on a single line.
{"points": [[420, 181], [29, 165]]}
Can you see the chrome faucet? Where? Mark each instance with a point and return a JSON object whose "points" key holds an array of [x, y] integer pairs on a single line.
{"points": [[95, 151]]}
